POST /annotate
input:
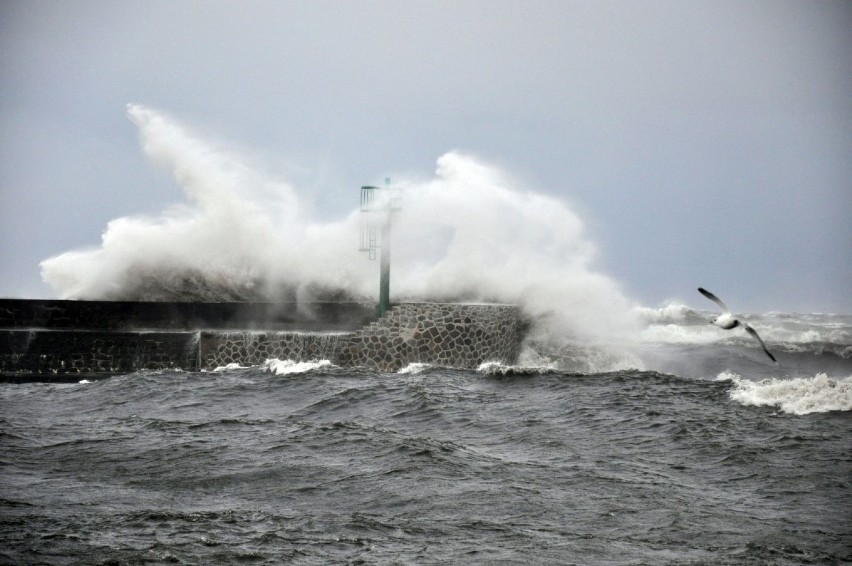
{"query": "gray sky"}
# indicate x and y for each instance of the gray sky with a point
(703, 143)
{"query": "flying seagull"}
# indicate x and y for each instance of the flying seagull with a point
(727, 321)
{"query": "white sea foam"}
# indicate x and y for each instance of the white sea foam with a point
(498, 368)
(232, 365)
(811, 335)
(492, 368)
(288, 367)
(672, 312)
(679, 334)
(470, 233)
(798, 396)
(414, 368)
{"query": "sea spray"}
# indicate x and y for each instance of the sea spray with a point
(498, 242)
(240, 236)
(470, 233)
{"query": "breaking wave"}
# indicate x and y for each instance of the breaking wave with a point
(816, 334)
(470, 233)
(673, 313)
(290, 367)
(797, 396)
(497, 368)
(415, 368)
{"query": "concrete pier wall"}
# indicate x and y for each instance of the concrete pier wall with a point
(54, 353)
(59, 340)
(133, 316)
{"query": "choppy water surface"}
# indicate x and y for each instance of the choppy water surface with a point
(321, 465)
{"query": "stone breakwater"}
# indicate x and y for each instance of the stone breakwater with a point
(456, 335)
(218, 349)
(37, 341)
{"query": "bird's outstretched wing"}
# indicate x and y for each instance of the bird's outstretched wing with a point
(754, 335)
(714, 298)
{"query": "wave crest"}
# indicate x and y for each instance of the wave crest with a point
(797, 396)
(290, 367)
(670, 313)
(497, 368)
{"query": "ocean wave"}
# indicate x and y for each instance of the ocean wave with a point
(680, 334)
(289, 367)
(414, 368)
(797, 396)
(793, 336)
(714, 337)
(815, 336)
(232, 365)
(497, 368)
(671, 313)
(550, 353)
(842, 351)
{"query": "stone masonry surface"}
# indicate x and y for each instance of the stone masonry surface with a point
(219, 349)
(457, 335)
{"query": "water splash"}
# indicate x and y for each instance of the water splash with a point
(415, 368)
(290, 367)
(470, 233)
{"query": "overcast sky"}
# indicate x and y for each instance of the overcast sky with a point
(704, 143)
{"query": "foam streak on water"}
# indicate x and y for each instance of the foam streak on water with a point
(435, 466)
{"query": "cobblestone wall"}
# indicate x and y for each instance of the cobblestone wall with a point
(457, 335)
(219, 349)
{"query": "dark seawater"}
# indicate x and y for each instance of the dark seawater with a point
(325, 465)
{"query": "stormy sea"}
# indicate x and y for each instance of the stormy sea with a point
(711, 454)
(621, 435)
